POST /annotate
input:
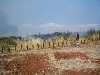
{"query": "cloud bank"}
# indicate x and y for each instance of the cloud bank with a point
(5, 28)
(53, 27)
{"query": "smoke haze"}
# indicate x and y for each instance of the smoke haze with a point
(5, 28)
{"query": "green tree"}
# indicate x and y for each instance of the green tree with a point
(90, 32)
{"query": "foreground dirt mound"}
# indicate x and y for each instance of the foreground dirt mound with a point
(64, 61)
(30, 65)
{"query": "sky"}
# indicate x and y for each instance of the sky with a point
(22, 17)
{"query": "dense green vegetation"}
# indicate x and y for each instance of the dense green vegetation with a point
(7, 40)
(6, 43)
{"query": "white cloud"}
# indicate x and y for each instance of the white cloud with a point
(86, 27)
(92, 25)
(53, 27)
(26, 25)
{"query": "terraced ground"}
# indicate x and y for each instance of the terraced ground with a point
(53, 61)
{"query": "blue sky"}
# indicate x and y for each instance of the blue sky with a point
(18, 17)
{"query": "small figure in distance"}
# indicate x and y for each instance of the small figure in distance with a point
(77, 39)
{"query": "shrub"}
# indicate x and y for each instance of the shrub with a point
(7, 40)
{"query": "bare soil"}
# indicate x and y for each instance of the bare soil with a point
(53, 61)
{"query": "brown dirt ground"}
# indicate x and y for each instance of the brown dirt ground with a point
(39, 63)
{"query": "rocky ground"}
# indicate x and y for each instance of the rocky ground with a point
(84, 60)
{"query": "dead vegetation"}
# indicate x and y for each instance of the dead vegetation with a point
(64, 61)
(58, 56)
